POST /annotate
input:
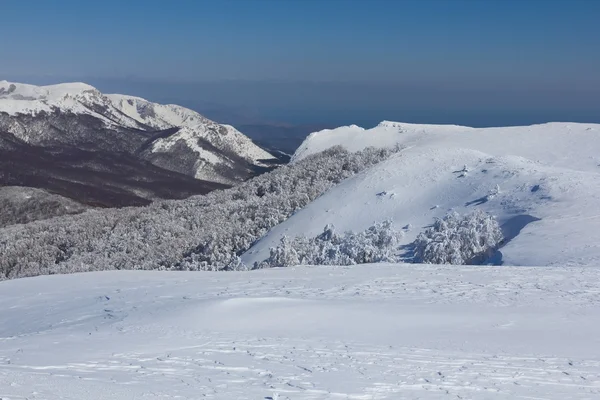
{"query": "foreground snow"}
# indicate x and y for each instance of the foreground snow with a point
(365, 332)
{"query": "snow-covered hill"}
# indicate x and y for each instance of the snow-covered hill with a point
(169, 136)
(569, 145)
(542, 182)
(364, 332)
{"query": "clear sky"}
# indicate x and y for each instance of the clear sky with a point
(443, 54)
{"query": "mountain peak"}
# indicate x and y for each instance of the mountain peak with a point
(23, 91)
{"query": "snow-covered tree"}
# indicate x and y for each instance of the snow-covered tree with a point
(200, 233)
(457, 239)
(379, 243)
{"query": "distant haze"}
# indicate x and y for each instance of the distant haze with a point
(332, 62)
(366, 104)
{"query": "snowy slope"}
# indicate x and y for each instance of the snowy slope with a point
(570, 145)
(366, 332)
(19, 98)
(193, 126)
(76, 97)
(548, 172)
(170, 136)
(354, 138)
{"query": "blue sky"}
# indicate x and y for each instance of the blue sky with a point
(441, 52)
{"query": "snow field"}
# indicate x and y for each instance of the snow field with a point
(363, 332)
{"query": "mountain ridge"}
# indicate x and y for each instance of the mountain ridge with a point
(116, 150)
(62, 114)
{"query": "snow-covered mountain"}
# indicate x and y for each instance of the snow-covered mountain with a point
(542, 182)
(168, 136)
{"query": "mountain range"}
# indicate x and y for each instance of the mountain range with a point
(115, 150)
